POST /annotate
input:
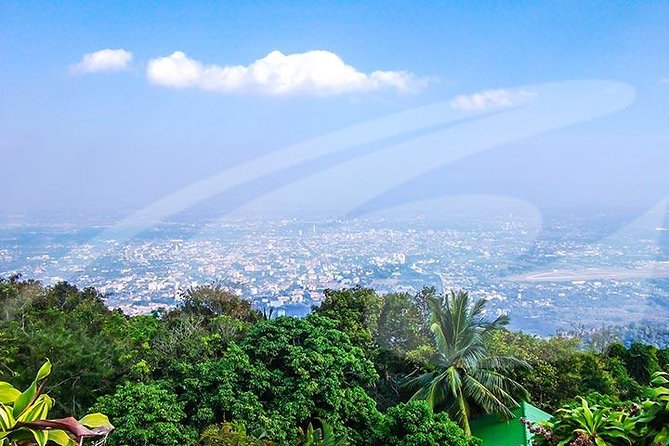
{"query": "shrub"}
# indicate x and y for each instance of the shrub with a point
(415, 424)
(146, 415)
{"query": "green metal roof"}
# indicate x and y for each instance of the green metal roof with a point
(494, 430)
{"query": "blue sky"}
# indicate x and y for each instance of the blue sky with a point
(118, 137)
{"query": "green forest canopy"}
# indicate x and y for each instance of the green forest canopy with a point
(215, 369)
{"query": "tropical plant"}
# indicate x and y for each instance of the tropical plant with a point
(609, 423)
(231, 434)
(654, 417)
(466, 377)
(320, 436)
(214, 300)
(24, 418)
(596, 424)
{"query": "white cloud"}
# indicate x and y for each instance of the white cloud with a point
(665, 81)
(312, 72)
(103, 60)
(492, 99)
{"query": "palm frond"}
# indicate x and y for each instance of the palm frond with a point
(465, 371)
(504, 363)
(485, 397)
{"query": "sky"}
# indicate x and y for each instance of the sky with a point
(119, 107)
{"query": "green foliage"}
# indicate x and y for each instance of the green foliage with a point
(67, 325)
(414, 424)
(321, 436)
(356, 311)
(230, 434)
(216, 369)
(608, 423)
(399, 324)
(185, 338)
(146, 415)
(561, 370)
(24, 417)
(217, 390)
(403, 347)
(640, 360)
(284, 373)
(200, 329)
(213, 300)
(466, 376)
(598, 424)
(654, 418)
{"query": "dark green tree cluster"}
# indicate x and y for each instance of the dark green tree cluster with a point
(561, 369)
(71, 327)
(362, 369)
(213, 370)
(604, 422)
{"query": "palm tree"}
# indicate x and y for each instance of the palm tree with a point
(465, 374)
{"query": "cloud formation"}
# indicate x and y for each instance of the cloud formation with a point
(665, 81)
(103, 60)
(309, 73)
(492, 99)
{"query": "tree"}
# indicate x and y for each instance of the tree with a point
(69, 326)
(356, 311)
(146, 415)
(554, 378)
(213, 300)
(200, 328)
(415, 424)
(466, 377)
(561, 370)
(403, 347)
(285, 373)
(399, 324)
(642, 362)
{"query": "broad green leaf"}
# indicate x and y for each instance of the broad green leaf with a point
(41, 437)
(8, 393)
(60, 437)
(95, 420)
(660, 378)
(44, 371)
(24, 399)
(21, 436)
(36, 411)
(7, 420)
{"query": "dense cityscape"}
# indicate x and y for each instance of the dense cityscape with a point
(547, 281)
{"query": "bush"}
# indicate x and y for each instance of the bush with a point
(414, 424)
(230, 434)
(286, 373)
(146, 415)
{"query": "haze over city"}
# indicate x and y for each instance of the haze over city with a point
(284, 149)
